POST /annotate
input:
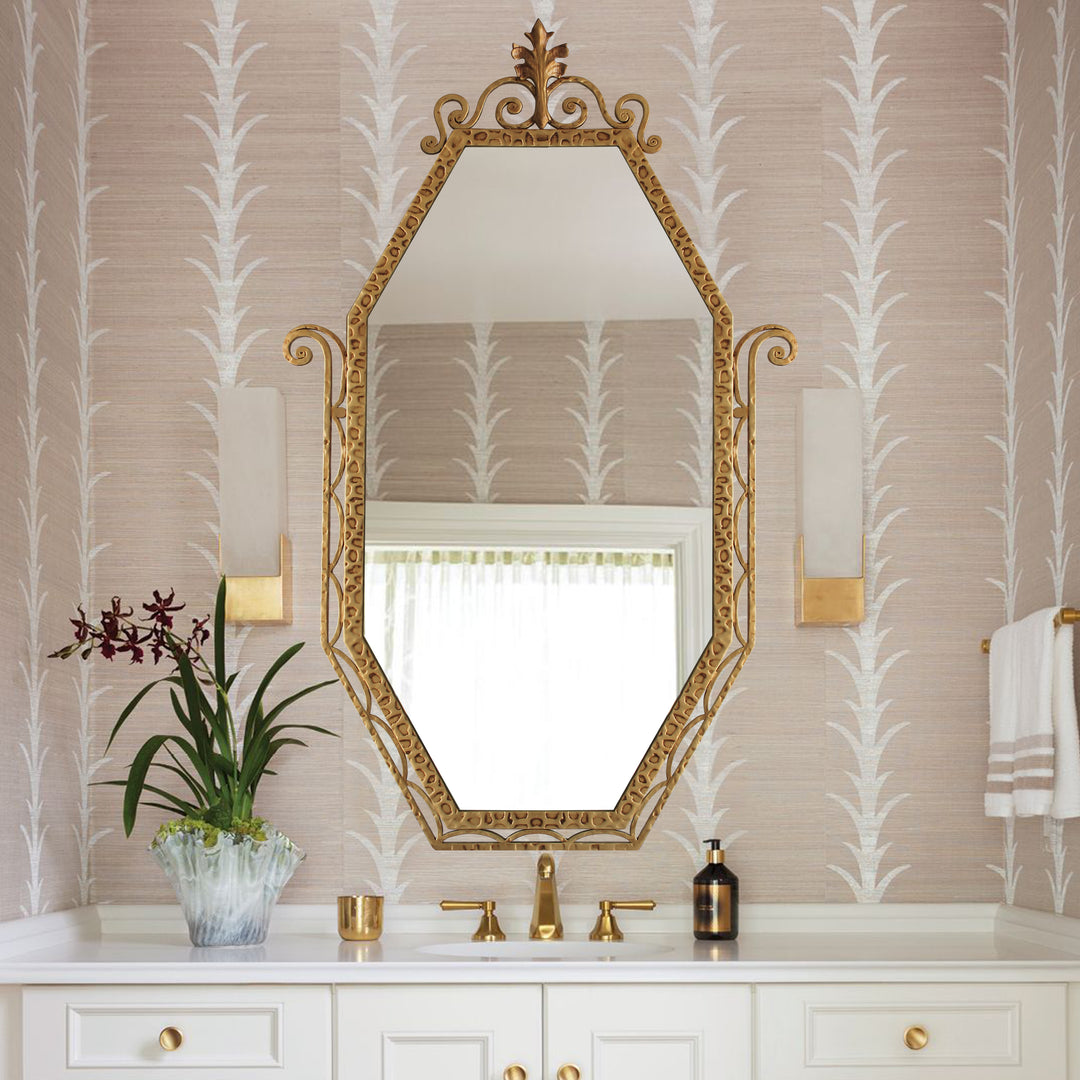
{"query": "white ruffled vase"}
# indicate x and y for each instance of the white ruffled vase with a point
(227, 891)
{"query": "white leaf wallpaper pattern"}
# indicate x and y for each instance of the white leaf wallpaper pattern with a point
(481, 364)
(1008, 370)
(1040, 277)
(271, 148)
(225, 199)
(228, 270)
(866, 235)
(592, 414)
(33, 747)
(87, 761)
(45, 476)
(1058, 406)
(708, 48)
(385, 200)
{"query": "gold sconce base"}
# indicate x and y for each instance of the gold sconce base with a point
(265, 600)
(827, 601)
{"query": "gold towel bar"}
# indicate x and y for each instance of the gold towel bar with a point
(1065, 615)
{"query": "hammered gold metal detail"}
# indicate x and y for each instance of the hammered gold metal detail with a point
(359, 918)
(444, 824)
(540, 74)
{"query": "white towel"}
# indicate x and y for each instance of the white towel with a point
(1066, 801)
(1020, 776)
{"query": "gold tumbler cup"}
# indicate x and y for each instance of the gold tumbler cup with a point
(359, 918)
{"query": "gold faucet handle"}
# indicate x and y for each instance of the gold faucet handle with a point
(489, 928)
(606, 928)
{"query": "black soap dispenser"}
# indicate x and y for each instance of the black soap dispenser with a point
(716, 899)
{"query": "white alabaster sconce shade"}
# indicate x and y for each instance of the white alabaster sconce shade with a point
(252, 486)
(829, 588)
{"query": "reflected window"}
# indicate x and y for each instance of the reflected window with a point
(468, 634)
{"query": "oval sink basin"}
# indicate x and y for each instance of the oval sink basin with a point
(547, 950)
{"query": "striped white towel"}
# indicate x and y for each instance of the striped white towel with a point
(1020, 777)
(1066, 803)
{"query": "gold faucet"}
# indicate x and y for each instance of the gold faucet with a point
(546, 924)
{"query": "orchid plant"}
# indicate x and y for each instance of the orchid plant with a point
(219, 766)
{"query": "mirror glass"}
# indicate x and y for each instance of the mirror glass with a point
(539, 478)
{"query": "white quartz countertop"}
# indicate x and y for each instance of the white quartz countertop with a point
(1010, 945)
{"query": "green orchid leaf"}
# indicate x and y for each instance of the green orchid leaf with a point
(277, 744)
(137, 779)
(275, 731)
(194, 726)
(278, 709)
(256, 701)
(220, 674)
(197, 705)
(178, 770)
(182, 805)
(130, 708)
(158, 806)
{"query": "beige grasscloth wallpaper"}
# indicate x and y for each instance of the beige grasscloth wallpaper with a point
(884, 179)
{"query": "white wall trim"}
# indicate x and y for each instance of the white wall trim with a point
(18, 936)
(148, 919)
(1039, 928)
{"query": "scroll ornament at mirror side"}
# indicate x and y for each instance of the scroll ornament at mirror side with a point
(540, 74)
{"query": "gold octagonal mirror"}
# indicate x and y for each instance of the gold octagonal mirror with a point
(538, 477)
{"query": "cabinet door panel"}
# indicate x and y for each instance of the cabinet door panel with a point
(438, 1032)
(649, 1032)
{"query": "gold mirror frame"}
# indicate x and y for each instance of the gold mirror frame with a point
(539, 74)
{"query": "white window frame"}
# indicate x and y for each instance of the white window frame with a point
(684, 530)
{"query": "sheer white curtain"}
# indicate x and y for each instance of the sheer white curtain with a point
(536, 678)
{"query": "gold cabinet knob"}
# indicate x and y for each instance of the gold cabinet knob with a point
(915, 1038)
(171, 1038)
(515, 1072)
(568, 1072)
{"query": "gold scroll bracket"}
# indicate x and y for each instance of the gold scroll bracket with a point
(266, 601)
(828, 601)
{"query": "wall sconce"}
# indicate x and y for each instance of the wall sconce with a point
(251, 470)
(829, 588)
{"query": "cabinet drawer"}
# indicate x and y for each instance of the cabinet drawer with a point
(254, 1032)
(1005, 1031)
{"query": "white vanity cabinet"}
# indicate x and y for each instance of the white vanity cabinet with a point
(554, 1031)
(970, 994)
(591, 1032)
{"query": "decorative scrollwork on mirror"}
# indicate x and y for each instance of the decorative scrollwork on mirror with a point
(539, 71)
(540, 74)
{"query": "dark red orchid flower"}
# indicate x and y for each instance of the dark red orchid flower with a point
(132, 643)
(119, 631)
(160, 610)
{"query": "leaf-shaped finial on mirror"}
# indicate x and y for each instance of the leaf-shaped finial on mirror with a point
(539, 66)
